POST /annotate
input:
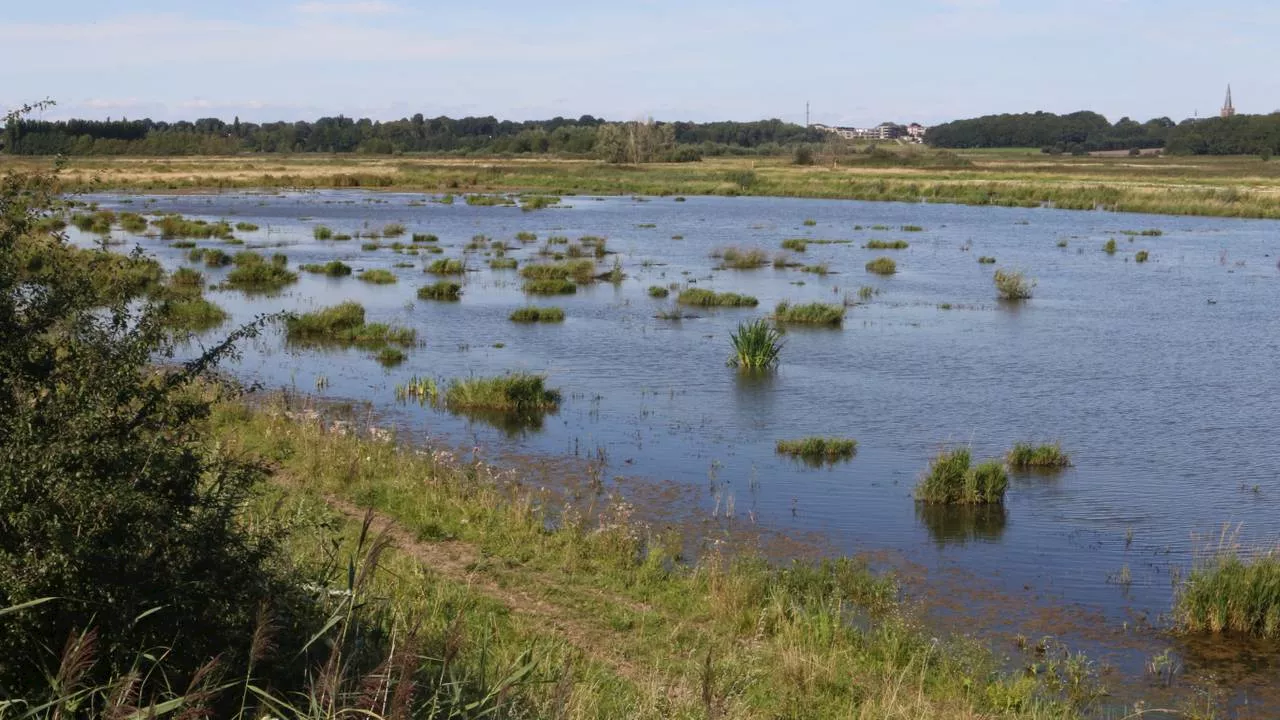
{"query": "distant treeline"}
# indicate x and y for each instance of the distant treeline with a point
(585, 136)
(1088, 131)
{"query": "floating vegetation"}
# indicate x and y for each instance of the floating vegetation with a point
(951, 481)
(1012, 285)
(402, 265)
(882, 266)
(796, 244)
(742, 258)
(1230, 594)
(344, 324)
(333, 268)
(708, 298)
(246, 227)
(390, 356)
(537, 314)
(341, 237)
(1110, 247)
(818, 449)
(815, 313)
(658, 291)
(424, 390)
(370, 246)
(514, 393)
(549, 286)
(756, 346)
(425, 238)
(503, 263)
(441, 290)
(446, 266)
(1141, 256)
(986, 260)
(887, 245)
(323, 232)
(1025, 456)
(393, 230)
(378, 277)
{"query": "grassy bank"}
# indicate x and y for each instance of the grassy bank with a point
(1229, 187)
(614, 620)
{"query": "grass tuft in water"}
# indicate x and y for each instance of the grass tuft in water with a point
(333, 268)
(514, 393)
(246, 227)
(882, 266)
(1013, 285)
(1227, 593)
(254, 274)
(378, 277)
(887, 245)
(425, 238)
(441, 290)
(756, 346)
(322, 232)
(796, 244)
(737, 258)
(709, 298)
(538, 314)
(658, 291)
(446, 266)
(986, 260)
(912, 228)
(1141, 256)
(1110, 247)
(1025, 456)
(392, 230)
(818, 448)
(951, 481)
(344, 324)
(390, 357)
(815, 313)
(549, 286)
(503, 263)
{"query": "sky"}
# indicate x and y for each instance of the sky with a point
(855, 62)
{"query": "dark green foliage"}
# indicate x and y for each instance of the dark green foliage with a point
(538, 314)
(709, 298)
(1141, 256)
(756, 346)
(1079, 131)
(172, 227)
(322, 232)
(390, 356)
(393, 230)
(246, 227)
(912, 228)
(425, 238)
(112, 501)
(440, 290)
(986, 260)
(333, 268)
(1110, 247)
(796, 244)
(515, 393)
(254, 274)
(951, 481)
(344, 324)
(1025, 455)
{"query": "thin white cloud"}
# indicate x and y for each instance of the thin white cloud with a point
(356, 7)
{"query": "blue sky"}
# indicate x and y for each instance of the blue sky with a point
(856, 62)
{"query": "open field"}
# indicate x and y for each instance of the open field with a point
(1217, 186)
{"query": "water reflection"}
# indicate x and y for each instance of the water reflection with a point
(959, 524)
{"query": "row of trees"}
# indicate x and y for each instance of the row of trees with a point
(585, 136)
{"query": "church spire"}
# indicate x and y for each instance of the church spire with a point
(1227, 108)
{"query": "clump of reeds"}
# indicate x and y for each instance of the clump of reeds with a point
(133, 222)
(424, 390)
(819, 269)
(525, 236)
(503, 263)
(1230, 594)
(322, 232)
(1141, 256)
(814, 313)
(549, 286)
(582, 270)
(1110, 247)
(658, 291)
(882, 266)
(756, 346)
(951, 480)
(887, 245)
(529, 203)
(378, 277)
(1062, 243)
(370, 246)
(818, 448)
(1013, 285)
(425, 238)
(393, 230)
(742, 258)
(986, 260)
(212, 257)
(538, 314)
(254, 274)
(246, 227)
(333, 268)
(344, 324)
(1025, 455)
(446, 266)
(514, 393)
(390, 356)
(709, 298)
(796, 244)
(440, 290)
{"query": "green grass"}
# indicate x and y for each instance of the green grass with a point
(549, 286)
(370, 246)
(446, 266)
(951, 481)
(174, 227)
(581, 270)
(1141, 256)
(393, 230)
(333, 268)
(737, 258)
(254, 274)
(887, 245)
(882, 266)
(390, 356)
(378, 276)
(344, 324)
(525, 236)
(658, 291)
(796, 244)
(701, 297)
(133, 223)
(538, 314)
(246, 227)
(514, 393)
(1024, 456)
(503, 263)
(441, 290)
(1062, 243)
(211, 257)
(1012, 285)
(193, 314)
(1110, 247)
(1227, 593)
(818, 448)
(756, 346)
(1143, 233)
(814, 313)
(912, 228)
(819, 269)
(425, 238)
(986, 260)
(810, 222)
(322, 232)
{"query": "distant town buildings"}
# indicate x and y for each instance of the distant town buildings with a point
(884, 131)
(1228, 110)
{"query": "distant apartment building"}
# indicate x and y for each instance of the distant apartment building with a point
(884, 131)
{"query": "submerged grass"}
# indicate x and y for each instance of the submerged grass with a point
(818, 448)
(815, 313)
(441, 290)
(756, 346)
(702, 297)
(1026, 455)
(538, 314)
(951, 481)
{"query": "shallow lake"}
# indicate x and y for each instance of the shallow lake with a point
(1158, 377)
